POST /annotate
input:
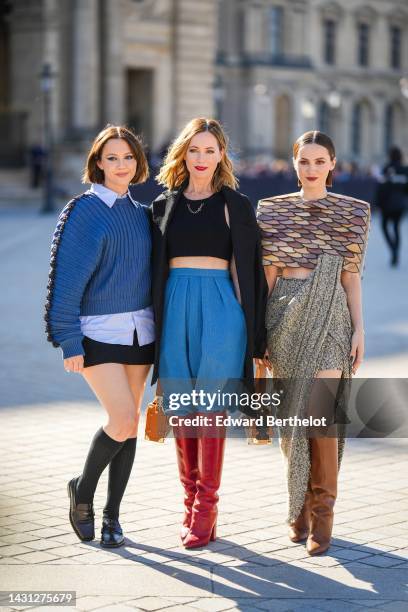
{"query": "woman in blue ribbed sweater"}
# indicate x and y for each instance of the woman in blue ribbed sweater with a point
(99, 312)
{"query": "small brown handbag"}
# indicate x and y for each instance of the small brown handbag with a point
(157, 424)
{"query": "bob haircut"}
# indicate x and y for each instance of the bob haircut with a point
(174, 170)
(319, 138)
(93, 174)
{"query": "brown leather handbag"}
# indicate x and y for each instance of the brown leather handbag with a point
(157, 424)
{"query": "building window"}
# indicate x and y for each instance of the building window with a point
(276, 30)
(356, 129)
(395, 40)
(329, 49)
(239, 29)
(324, 117)
(363, 30)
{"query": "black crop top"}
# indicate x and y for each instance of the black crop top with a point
(204, 233)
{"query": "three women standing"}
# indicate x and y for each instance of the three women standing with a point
(209, 296)
(313, 251)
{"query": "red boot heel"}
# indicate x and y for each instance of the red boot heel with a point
(213, 536)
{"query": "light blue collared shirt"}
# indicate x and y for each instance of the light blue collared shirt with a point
(118, 328)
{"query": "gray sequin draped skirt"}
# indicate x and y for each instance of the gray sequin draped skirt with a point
(308, 330)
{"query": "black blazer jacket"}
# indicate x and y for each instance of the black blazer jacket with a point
(246, 244)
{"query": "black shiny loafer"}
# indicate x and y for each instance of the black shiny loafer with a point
(111, 533)
(81, 516)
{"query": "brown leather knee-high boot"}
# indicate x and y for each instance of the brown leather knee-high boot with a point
(187, 459)
(299, 529)
(323, 482)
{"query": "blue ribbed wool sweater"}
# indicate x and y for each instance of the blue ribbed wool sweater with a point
(100, 264)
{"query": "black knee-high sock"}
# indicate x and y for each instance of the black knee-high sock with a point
(119, 472)
(102, 451)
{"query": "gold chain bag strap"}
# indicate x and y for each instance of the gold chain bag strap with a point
(157, 424)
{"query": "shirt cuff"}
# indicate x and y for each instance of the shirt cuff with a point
(72, 347)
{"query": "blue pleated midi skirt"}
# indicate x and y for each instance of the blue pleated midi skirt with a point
(204, 330)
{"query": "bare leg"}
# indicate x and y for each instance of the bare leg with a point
(110, 383)
(137, 376)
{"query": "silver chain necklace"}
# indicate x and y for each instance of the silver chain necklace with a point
(194, 212)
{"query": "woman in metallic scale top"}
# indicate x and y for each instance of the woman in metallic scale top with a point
(313, 251)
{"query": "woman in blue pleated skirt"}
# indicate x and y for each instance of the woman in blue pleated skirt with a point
(209, 296)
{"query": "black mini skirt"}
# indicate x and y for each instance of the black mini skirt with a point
(102, 352)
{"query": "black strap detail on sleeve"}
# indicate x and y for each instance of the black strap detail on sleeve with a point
(63, 218)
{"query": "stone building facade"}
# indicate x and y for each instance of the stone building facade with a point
(286, 66)
(148, 63)
(270, 69)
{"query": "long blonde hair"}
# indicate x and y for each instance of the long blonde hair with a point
(174, 171)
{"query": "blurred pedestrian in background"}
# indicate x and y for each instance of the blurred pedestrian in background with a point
(392, 200)
(37, 161)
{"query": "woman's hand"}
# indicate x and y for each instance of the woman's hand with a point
(357, 349)
(265, 362)
(74, 364)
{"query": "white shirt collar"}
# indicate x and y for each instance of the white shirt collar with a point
(108, 196)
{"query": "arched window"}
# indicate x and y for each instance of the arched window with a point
(394, 126)
(362, 130)
(356, 129)
(388, 127)
(283, 126)
(324, 117)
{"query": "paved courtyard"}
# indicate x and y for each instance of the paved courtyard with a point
(47, 419)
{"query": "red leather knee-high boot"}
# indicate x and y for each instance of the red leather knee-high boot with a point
(186, 449)
(204, 517)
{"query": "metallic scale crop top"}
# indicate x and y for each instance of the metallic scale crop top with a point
(199, 228)
(295, 232)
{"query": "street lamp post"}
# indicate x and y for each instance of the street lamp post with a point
(46, 81)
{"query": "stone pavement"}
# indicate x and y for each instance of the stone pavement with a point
(47, 419)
